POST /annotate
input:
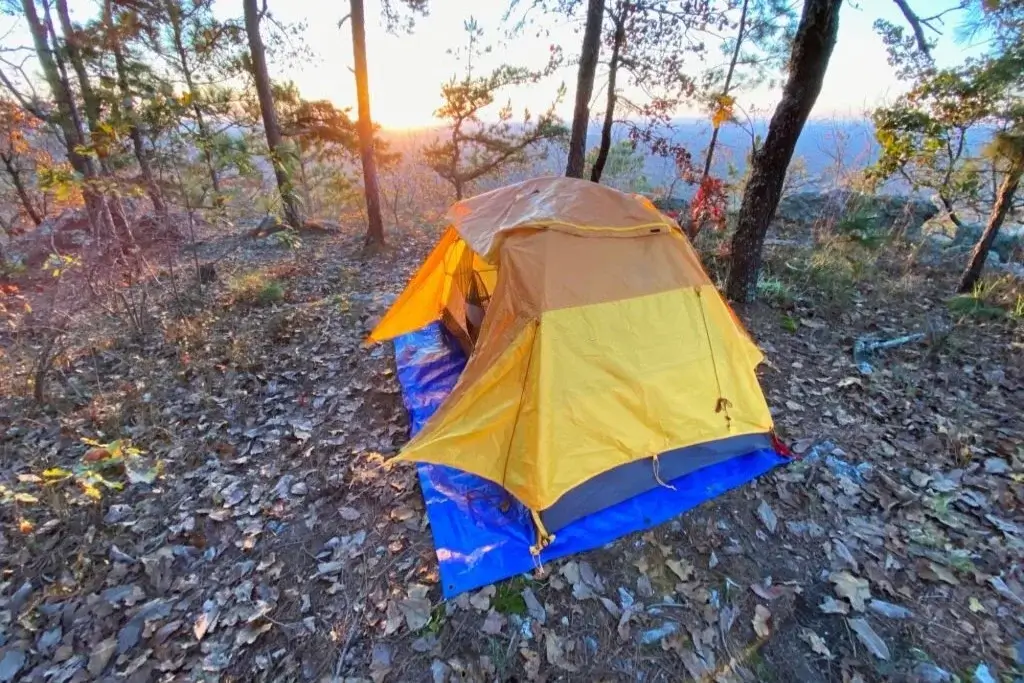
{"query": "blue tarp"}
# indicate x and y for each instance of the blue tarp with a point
(481, 533)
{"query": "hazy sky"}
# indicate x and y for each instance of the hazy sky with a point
(406, 71)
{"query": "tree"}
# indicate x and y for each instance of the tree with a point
(1009, 147)
(923, 137)
(618, 18)
(115, 31)
(812, 49)
(371, 186)
(280, 156)
(585, 88)
(1002, 70)
(16, 153)
(473, 148)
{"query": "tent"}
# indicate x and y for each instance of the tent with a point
(565, 356)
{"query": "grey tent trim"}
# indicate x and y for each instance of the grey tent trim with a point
(633, 478)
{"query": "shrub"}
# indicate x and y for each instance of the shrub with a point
(255, 288)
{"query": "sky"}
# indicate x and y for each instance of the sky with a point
(406, 71)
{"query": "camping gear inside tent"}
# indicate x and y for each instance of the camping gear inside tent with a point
(572, 375)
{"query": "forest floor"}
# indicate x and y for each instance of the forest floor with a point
(259, 534)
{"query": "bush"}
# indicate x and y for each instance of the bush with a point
(255, 288)
(992, 298)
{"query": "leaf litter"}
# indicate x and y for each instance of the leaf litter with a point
(281, 546)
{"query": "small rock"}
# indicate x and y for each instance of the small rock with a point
(299, 489)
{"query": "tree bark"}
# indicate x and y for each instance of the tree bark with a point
(371, 187)
(141, 156)
(19, 186)
(609, 111)
(585, 89)
(275, 141)
(1004, 199)
(812, 49)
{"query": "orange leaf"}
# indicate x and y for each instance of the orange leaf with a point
(96, 454)
(25, 526)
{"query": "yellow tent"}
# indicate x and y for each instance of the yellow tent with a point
(606, 362)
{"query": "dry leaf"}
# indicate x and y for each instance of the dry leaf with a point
(867, 635)
(816, 642)
(494, 623)
(832, 606)
(481, 600)
(532, 663)
(762, 621)
(853, 588)
(554, 649)
(681, 568)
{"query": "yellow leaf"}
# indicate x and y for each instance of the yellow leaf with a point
(56, 473)
(25, 526)
(91, 492)
(976, 606)
(25, 498)
(722, 112)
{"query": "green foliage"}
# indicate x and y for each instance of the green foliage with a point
(508, 598)
(624, 168)
(862, 226)
(992, 298)
(255, 289)
(473, 148)
(774, 291)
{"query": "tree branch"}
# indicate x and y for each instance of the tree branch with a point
(916, 26)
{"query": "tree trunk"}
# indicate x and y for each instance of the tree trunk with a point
(371, 188)
(19, 186)
(609, 112)
(726, 86)
(90, 102)
(584, 89)
(275, 142)
(205, 141)
(1004, 199)
(141, 156)
(812, 49)
(67, 116)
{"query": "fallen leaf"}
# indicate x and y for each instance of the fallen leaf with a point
(101, 655)
(350, 514)
(533, 606)
(681, 568)
(975, 605)
(494, 623)
(936, 572)
(816, 642)
(416, 612)
(832, 606)
(767, 516)
(853, 588)
(554, 650)
(481, 600)
(867, 635)
(762, 621)
(532, 663)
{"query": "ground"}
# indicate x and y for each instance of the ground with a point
(260, 534)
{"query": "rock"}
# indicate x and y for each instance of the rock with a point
(892, 213)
